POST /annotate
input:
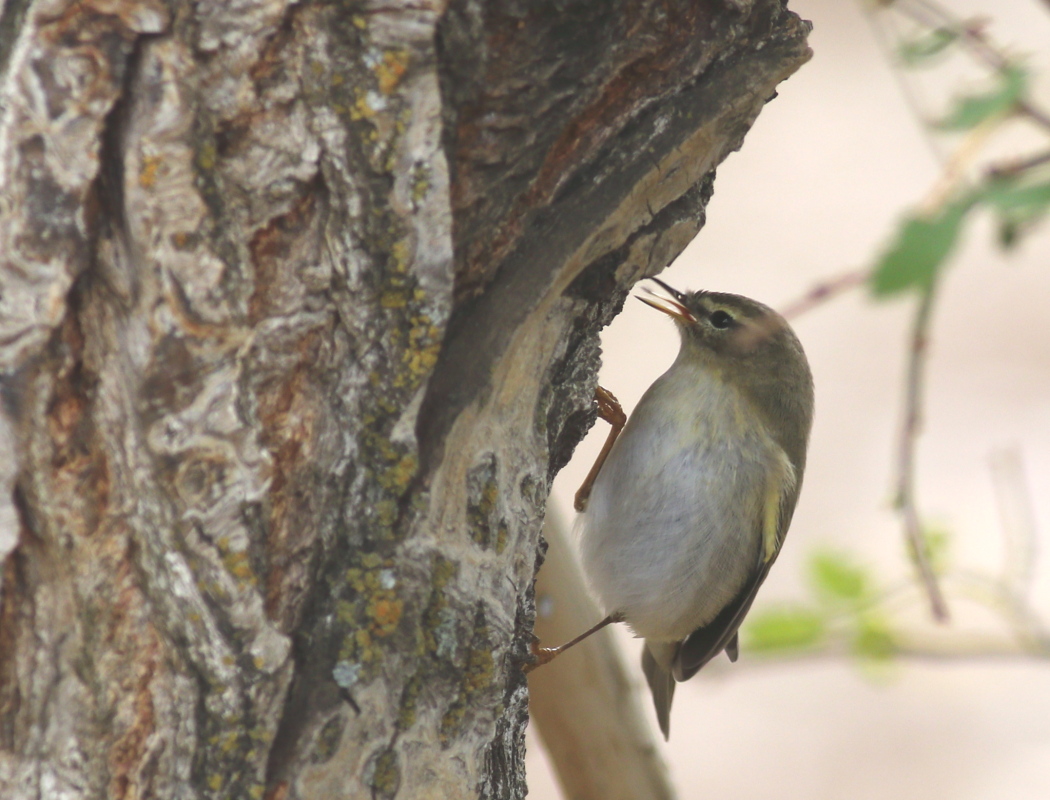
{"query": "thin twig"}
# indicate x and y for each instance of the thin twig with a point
(955, 169)
(1005, 601)
(1017, 517)
(908, 89)
(973, 37)
(1018, 166)
(824, 291)
(906, 501)
(970, 649)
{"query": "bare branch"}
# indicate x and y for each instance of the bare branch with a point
(1018, 519)
(1019, 166)
(972, 34)
(906, 500)
(969, 648)
(954, 172)
(825, 291)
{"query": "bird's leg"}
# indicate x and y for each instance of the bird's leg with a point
(608, 409)
(544, 655)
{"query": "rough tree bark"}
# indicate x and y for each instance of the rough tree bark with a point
(298, 317)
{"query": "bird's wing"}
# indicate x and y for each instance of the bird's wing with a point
(708, 641)
(720, 634)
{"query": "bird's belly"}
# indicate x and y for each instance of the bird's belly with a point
(673, 530)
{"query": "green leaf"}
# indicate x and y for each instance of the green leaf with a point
(916, 51)
(1013, 196)
(1019, 204)
(937, 542)
(1008, 233)
(972, 110)
(784, 629)
(921, 246)
(874, 639)
(835, 576)
(938, 548)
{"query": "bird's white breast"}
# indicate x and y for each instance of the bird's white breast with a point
(674, 523)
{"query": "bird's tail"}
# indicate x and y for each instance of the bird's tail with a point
(656, 664)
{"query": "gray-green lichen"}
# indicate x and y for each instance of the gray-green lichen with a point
(478, 677)
(486, 522)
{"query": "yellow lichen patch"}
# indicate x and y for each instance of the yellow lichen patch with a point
(148, 173)
(451, 720)
(444, 571)
(393, 298)
(391, 69)
(387, 776)
(406, 715)
(236, 562)
(374, 612)
(386, 613)
(477, 678)
(483, 517)
(386, 512)
(361, 108)
(480, 670)
(355, 579)
(419, 362)
(344, 610)
(422, 332)
(401, 474)
(206, 156)
(371, 560)
(489, 495)
(238, 566)
(260, 733)
(399, 256)
(363, 638)
(502, 537)
(229, 742)
(328, 739)
(420, 182)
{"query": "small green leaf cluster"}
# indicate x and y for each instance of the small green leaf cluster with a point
(842, 608)
(969, 111)
(1019, 199)
(923, 48)
(923, 242)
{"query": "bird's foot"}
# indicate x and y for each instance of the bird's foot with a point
(540, 656)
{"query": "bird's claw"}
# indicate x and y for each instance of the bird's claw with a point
(539, 656)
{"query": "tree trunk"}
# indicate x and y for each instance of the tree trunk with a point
(298, 317)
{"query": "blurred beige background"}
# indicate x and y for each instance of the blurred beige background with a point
(816, 190)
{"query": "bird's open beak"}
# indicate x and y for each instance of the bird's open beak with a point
(672, 306)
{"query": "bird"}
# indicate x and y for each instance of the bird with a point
(688, 512)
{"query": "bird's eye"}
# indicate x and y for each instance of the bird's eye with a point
(721, 319)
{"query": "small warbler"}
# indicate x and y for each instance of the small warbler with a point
(691, 506)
